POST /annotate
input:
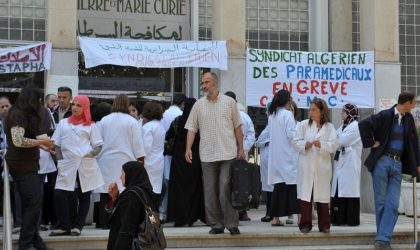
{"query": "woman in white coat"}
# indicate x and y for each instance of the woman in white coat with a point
(263, 142)
(123, 142)
(316, 140)
(282, 157)
(77, 141)
(154, 139)
(345, 188)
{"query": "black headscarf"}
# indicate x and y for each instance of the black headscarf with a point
(136, 175)
(188, 104)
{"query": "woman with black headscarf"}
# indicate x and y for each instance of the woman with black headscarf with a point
(186, 198)
(345, 188)
(128, 211)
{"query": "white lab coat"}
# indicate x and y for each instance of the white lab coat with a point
(347, 169)
(123, 142)
(75, 142)
(168, 116)
(314, 164)
(263, 143)
(282, 157)
(154, 138)
(46, 163)
(248, 132)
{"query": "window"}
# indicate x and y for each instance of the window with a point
(23, 20)
(355, 11)
(204, 24)
(409, 35)
(278, 24)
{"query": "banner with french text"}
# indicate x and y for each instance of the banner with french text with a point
(336, 77)
(153, 54)
(29, 58)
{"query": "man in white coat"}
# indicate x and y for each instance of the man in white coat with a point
(168, 116)
(249, 139)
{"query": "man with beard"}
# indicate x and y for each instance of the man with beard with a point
(217, 118)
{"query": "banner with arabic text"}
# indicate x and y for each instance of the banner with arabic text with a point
(336, 77)
(30, 58)
(153, 54)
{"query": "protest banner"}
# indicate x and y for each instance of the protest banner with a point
(153, 54)
(30, 58)
(336, 77)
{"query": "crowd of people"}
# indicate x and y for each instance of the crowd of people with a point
(65, 154)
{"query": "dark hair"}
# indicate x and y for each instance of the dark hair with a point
(152, 111)
(231, 94)
(102, 109)
(323, 108)
(65, 89)
(137, 105)
(179, 99)
(280, 99)
(29, 103)
(120, 104)
(406, 97)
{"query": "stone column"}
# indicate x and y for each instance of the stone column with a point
(379, 32)
(340, 38)
(62, 20)
(228, 23)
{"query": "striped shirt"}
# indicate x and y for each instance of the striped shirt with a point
(216, 121)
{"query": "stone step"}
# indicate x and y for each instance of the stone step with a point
(326, 247)
(314, 240)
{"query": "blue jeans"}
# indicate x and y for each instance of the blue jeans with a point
(386, 178)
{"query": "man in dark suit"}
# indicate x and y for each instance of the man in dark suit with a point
(391, 135)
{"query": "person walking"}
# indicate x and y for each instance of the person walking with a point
(217, 117)
(316, 140)
(22, 126)
(391, 135)
(345, 185)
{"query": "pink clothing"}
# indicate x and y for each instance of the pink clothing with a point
(85, 118)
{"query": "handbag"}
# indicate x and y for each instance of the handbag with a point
(150, 233)
(169, 145)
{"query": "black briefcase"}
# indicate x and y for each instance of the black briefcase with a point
(246, 185)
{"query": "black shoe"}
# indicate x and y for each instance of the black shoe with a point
(234, 231)
(266, 218)
(179, 225)
(217, 231)
(324, 230)
(60, 232)
(244, 217)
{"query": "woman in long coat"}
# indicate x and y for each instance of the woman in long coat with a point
(127, 211)
(282, 157)
(345, 187)
(316, 140)
(186, 198)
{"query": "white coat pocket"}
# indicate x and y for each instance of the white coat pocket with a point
(90, 175)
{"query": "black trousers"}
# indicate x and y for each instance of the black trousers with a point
(63, 200)
(31, 194)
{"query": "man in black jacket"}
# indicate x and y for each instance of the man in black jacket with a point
(63, 110)
(391, 135)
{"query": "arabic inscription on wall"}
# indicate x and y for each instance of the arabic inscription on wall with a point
(134, 19)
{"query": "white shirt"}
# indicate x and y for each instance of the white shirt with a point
(123, 142)
(248, 132)
(154, 138)
(264, 145)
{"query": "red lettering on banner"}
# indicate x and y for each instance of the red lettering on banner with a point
(302, 90)
(275, 87)
(314, 85)
(335, 87)
(343, 88)
(263, 101)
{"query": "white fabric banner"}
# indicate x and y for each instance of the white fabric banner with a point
(30, 58)
(152, 54)
(336, 77)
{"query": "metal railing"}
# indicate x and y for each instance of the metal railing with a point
(7, 210)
